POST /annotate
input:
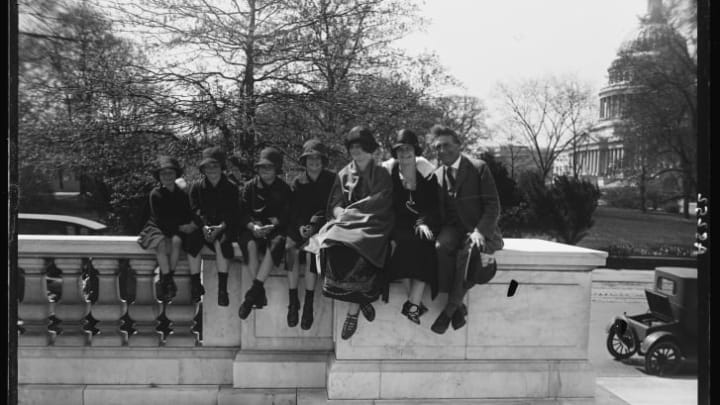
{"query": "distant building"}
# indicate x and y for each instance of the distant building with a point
(602, 157)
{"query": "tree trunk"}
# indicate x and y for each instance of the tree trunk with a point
(643, 191)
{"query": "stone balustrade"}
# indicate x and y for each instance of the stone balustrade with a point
(92, 332)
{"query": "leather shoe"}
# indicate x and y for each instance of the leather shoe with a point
(458, 318)
(307, 316)
(223, 299)
(441, 323)
(196, 291)
(293, 314)
(368, 311)
(349, 327)
(245, 309)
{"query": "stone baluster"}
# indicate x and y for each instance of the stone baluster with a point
(68, 308)
(144, 310)
(182, 311)
(109, 308)
(33, 307)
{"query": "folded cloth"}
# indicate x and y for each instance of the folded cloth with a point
(150, 236)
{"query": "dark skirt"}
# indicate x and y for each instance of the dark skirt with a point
(194, 242)
(348, 276)
(275, 241)
(414, 258)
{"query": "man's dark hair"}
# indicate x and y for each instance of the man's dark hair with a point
(442, 130)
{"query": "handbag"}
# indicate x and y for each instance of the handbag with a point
(150, 235)
(474, 271)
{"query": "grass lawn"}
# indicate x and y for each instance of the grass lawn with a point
(618, 226)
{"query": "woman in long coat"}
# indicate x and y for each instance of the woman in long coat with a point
(354, 244)
(416, 205)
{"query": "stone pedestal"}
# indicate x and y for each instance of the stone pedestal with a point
(530, 345)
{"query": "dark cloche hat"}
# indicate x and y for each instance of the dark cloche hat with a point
(406, 137)
(167, 162)
(362, 135)
(271, 156)
(213, 154)
(314, 147)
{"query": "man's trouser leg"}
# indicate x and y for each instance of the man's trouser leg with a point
(449, 242)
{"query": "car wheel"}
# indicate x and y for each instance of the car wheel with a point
(621, 342)
(663, 358)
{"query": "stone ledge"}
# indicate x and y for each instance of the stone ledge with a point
(280, 370)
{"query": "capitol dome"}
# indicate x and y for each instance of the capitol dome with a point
(653, 32)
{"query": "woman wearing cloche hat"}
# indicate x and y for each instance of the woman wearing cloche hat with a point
(354, 244)
(311, 190)
(266, 211)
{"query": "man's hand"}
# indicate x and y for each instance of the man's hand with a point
(274, 221)
(477, 239)
(306, 231)
(337, 211)
(423, 230)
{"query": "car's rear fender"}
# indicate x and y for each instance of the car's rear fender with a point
(655, 337)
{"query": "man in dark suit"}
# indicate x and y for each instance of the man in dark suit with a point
(469, 211)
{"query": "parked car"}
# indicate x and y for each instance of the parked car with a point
(667, 334)
(48, 224)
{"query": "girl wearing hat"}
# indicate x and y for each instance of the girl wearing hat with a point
(266, 210)
(416, 206)
(311, 190)
(215, 201)
(354, 244)
(171, 213)
(239, 171)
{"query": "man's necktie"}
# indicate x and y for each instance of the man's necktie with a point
(450, 178)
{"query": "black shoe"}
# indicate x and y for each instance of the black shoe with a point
(441, 323)
(223, 299)
(349, 327)
(254, 298)
(244, 310)
(368, 311)
(307, 316)
(170, 287)
(196, 291)
(293, 314)
(413, 313)
(161, 290)
(458, 318)
(407, 304)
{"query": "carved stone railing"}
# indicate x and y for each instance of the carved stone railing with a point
(80, 312)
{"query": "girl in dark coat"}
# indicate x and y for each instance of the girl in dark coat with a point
(266, 211)
(354, 244)
(214, 201)
(415, 202)
(171, 213)
(311, 190)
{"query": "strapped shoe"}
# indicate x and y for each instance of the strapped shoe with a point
(413, 313)
(441, 323)
(407, 304)
(349, 327)
(368, 311)
(458, 318)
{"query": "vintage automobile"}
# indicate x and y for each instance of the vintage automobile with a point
(667, 334)
(49, 224)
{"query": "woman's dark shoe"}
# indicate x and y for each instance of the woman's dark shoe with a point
(458, 318)
(349, 327)
(254, 298)
(293, 314)
(307, 315)
(223, 299)
(413, 313)
(441, 323)
(170, 287)
(406, 306)
(368, 311)
(196, 290)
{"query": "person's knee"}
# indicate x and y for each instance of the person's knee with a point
(176, 242)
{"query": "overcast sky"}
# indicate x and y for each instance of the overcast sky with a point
(483, 41)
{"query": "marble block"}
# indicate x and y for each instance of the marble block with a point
(487, 379)
(282, 369)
